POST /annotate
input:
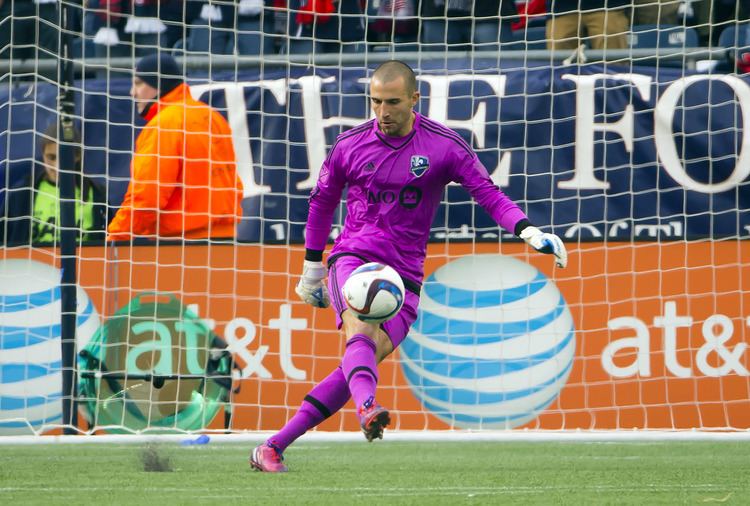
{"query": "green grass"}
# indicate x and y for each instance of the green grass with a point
(383, 473)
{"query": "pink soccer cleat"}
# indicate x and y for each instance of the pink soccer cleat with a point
(373, 419)
(268, 459)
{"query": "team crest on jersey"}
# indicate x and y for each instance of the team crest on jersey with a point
(419, 165)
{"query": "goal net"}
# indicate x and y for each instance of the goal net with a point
(632, 147)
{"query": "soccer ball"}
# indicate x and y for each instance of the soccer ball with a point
(374, 292)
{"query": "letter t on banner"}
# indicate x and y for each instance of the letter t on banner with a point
(285, 323)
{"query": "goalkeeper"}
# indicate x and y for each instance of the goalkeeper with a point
(402, 154)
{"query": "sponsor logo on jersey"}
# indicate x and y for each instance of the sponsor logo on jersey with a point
(419, 165)
(409, 197)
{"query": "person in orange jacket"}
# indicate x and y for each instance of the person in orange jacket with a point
(184, 181)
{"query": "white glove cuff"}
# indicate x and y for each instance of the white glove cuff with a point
(313, 271)
(532, 236)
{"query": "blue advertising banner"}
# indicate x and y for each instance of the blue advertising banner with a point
(591, 152)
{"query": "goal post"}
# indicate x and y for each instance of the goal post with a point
(636, 157)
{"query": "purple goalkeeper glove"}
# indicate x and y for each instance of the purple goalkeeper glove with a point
(546, 243)
(311, 288)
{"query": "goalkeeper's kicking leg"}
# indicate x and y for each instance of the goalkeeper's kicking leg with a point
(327, 398)
(367, 345)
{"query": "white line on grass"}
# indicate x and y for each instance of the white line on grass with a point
(695, 487)
(407, 436)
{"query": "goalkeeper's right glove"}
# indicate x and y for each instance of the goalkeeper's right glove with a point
(311, 287)
(545, 243)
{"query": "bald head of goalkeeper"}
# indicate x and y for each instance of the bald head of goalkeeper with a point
(393, 96)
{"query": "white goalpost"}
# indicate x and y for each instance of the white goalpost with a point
(635, 155)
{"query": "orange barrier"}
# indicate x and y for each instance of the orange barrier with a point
(661, 330)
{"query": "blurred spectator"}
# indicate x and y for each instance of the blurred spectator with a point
(603, 23)
(34, 207)
(529, 12)
(737, 42)
(184, 181)
(28, 29)
(742, 59)
(325, 26)
(246, 26)
(711, 17)
(134, 27)
(211, 31)
(461, 23)
(394, 21)
(144, 25)
(255, 27)
(177, 16)
(104, 22)
(656, 12)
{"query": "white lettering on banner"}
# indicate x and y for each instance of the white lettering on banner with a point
(465, 232)
(238, 347)
(285, 324)
(642, 363)
(575, 230)
(477, 124)
(670, 322)
(665, 142)
(666, 229)
(715, 344)
(312, 114)
(584, 177)
(191, 330)
(501, 175)
(279, 231)
(619, 227)
(670, 229)
(210, 323)
(162, 345)
(716, 330)
(237, 119)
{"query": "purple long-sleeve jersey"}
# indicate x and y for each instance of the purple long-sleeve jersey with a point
(395, 186)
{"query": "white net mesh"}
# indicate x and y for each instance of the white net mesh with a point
(624, 134)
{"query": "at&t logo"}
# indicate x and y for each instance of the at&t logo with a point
(493, 343)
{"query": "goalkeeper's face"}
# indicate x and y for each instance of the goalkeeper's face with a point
(393, 103)
(143, 94)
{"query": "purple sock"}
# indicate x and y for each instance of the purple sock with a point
(325, 399)
(361, 368)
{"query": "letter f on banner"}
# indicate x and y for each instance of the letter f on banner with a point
(584, 177)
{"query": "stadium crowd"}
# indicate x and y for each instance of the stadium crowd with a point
(262, 27)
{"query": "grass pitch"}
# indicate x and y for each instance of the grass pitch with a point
(380, 473)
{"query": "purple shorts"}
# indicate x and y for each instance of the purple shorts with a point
(397, 327)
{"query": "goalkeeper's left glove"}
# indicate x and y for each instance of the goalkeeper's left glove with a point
(311, 287)
(545, 243)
